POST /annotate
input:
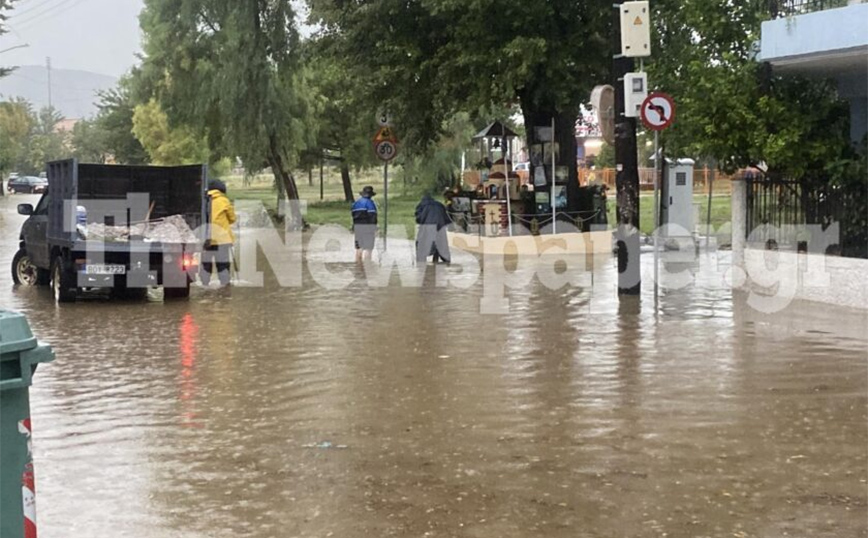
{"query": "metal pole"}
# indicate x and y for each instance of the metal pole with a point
(656, 207)
(554, 176)
(386, 206)
(505, 146)
(708, 218)
(48, 67)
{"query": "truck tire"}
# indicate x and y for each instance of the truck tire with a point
(170, 293)
(63, 281)
(24, 273)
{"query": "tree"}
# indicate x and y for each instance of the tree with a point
(730, 106)
(45, 143)
(165, 145)
(345, 121)
(430, 59)
(15, 126)
(231, 71)
(4, 7)
(114, 122)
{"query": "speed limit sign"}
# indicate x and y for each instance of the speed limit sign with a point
(386, 150)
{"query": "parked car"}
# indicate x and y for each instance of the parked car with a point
(27, 184)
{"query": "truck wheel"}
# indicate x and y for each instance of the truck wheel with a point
(25, 273)
(177, 293)
(63, 282)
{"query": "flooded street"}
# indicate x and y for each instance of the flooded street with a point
(305, 412)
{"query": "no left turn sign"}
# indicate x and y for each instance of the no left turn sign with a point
(658, 111)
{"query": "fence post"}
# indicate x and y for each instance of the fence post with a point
(739, 219)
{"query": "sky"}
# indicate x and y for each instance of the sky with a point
(101, 36)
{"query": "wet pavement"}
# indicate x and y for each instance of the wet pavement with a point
(405, 412)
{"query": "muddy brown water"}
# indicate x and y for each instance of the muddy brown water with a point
(404, 412)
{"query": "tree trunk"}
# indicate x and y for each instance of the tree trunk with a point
(565, 138)
(310, 177)
(287, 182)
(348, 185)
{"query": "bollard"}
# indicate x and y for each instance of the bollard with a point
(20, 353)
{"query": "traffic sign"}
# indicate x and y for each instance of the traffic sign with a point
(658, 111)
(386, 150)
(385, 134)
(384, 119)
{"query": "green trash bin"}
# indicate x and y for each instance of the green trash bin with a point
(19, 355)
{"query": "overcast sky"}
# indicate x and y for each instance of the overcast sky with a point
(93, 35)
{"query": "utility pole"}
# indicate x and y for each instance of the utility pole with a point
(627, 173)
(48, 67)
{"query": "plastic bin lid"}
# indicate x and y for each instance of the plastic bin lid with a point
(15, 334)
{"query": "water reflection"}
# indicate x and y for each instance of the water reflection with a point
(575, 414)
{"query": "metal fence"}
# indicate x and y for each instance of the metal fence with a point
(789, 8)
(779, 211)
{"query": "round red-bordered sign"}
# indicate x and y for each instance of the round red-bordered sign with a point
(658, 111)
(386, 150)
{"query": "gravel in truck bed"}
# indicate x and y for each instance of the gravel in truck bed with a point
(173, 229)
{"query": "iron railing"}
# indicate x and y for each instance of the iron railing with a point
(780, 214)
(790, 8)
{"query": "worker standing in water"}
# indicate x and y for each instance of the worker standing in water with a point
(218, 248)
(364, 214)
(431, 238)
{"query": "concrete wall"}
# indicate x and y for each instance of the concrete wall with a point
(574, 243)
(823, 32)
(811, 277)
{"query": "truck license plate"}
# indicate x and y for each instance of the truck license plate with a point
(105, 269)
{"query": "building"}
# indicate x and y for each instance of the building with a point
(824, 39)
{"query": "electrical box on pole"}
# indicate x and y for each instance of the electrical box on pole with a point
(635, 30)
(635, 93)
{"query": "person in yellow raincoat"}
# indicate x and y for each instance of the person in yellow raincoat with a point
(218, 248)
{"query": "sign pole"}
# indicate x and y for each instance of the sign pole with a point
(657, 168)
(386, 206)
(554, 187)
(506, 169)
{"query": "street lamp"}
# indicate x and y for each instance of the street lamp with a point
(23, 46)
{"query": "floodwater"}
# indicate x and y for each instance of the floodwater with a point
(284, 412)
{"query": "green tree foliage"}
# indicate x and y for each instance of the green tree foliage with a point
(730, 107)
(88, 142)
(4, 7)
(430, 59)
(28, 139)
(45, 143)
(114, 124)
(16, 123)
(231, 70)
(166, 145)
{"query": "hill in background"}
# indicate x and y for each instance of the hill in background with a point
(73, 93)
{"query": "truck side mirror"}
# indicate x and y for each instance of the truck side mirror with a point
(25, 209)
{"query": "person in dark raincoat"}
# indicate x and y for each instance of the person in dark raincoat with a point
(431, 239)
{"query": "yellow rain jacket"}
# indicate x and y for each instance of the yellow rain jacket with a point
(222, 218)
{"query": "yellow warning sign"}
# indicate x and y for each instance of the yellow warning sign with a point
(638, 21)
(385, 134)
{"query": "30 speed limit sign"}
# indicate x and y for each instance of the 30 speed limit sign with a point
(386, 150)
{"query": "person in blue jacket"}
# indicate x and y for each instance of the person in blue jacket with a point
(365, 224)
